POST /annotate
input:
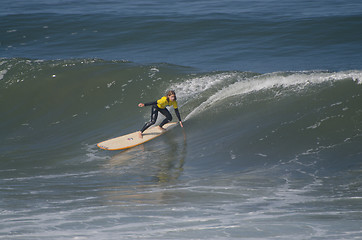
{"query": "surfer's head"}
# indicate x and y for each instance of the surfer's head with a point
(171, 95)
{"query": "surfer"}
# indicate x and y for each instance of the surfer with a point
(160, 106)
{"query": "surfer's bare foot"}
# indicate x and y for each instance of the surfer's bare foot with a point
(161, 128)
(140, 135)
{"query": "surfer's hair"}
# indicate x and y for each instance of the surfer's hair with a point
(171, 92)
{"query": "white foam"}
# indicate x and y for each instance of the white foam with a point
(197, 85)
(300, 80)
(2, 73)
(92, 151)
(153, 72)
(111, 84)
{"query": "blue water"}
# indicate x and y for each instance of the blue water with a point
(270, 93)
(259, 36)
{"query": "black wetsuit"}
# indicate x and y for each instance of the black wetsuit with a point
(154, 114)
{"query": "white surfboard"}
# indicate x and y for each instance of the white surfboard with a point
(132, 139)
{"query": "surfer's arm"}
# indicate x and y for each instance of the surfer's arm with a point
(178, 116)
(147, 104)
(151, 103)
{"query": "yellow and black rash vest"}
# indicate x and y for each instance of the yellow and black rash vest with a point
(162, 103)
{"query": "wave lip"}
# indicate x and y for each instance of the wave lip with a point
(242, 85)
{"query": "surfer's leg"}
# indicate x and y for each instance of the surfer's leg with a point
(168, 116)
(154, 114)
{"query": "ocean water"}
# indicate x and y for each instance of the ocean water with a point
(270, 93)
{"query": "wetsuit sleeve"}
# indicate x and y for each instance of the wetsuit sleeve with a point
(178, 114)
(151, 103)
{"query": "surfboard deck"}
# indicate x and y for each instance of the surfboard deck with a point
(132, 139)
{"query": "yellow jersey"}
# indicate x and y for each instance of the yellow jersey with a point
(163, 103)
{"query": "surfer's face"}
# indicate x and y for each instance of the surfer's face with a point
(171, 97)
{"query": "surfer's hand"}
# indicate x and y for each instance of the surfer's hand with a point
(141, 105)
(181, 124)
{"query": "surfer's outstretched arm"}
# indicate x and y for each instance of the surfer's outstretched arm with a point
(147, 104)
